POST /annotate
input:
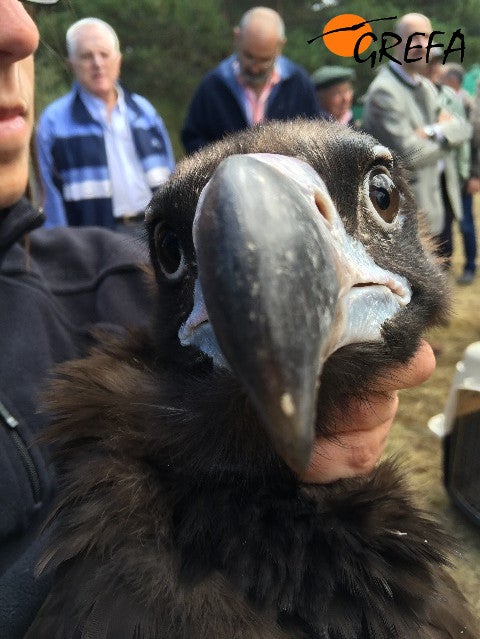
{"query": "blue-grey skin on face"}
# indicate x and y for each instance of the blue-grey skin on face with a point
(281, 286)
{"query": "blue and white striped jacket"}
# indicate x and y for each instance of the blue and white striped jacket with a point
(73, 159)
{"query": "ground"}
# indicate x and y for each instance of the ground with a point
(412, 440)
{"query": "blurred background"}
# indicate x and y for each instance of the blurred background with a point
(168, 45)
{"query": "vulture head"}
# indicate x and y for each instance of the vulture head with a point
(289, 261)
(290, 271)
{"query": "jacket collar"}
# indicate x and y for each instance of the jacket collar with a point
(404, 77)
(16, 221)
(80, 112)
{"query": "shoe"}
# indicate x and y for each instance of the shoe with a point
(466, 278)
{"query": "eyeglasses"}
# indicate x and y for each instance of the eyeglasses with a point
(40, 1)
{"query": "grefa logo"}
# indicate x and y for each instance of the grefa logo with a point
(349, 35)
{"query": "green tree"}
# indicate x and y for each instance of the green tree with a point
(168, 45)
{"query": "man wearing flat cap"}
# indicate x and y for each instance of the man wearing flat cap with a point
(334, 90)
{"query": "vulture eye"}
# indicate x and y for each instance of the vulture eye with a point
(169, 252)
(383, 194)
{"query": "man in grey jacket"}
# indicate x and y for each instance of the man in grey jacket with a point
(402, 111)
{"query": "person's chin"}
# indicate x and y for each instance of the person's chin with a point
(14, 133)
(255, 80)
(13, 179)
(101, 89)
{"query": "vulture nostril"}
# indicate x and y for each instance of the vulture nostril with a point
(322, 206)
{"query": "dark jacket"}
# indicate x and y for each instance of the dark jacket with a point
(52, 293)
(217, 105)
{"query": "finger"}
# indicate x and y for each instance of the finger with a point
(351, 452)
(416, 371)
(349, 455)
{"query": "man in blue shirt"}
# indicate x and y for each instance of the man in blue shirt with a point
(102, 150)
(253, 84)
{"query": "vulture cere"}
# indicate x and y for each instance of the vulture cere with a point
(290, 272)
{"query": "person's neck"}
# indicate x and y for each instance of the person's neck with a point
(411, 71)
(110, 101)
(408, 75)
(258, 88)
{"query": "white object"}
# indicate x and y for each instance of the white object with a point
(466, 382)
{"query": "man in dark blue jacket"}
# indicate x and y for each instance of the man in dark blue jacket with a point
(256, 83)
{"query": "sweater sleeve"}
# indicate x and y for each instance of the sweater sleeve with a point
(21, 592)
(385, 120)
(97, 276)
(162, 131)
(53, 203)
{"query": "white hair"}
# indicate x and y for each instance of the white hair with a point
(73, 33)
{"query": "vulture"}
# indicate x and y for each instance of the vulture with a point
(290, 271)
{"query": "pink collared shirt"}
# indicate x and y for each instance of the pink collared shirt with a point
(255, 104)
(346, 117)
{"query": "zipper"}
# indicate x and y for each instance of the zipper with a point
(27, 460)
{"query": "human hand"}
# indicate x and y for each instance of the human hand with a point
(356, 452)
(421, 133)
(473, 186)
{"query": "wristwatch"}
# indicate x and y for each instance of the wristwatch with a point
(430, 131)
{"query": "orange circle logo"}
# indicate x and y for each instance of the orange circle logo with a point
(341, 33)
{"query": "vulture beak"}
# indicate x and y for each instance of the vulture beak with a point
(274, 263)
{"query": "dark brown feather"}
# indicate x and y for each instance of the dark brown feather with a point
(175, 516)
(188, 556)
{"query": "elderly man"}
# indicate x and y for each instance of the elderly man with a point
(102, 150)
(254, 84)
(334, 89)
(403, 111)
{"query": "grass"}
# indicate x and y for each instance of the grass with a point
(412, 440)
